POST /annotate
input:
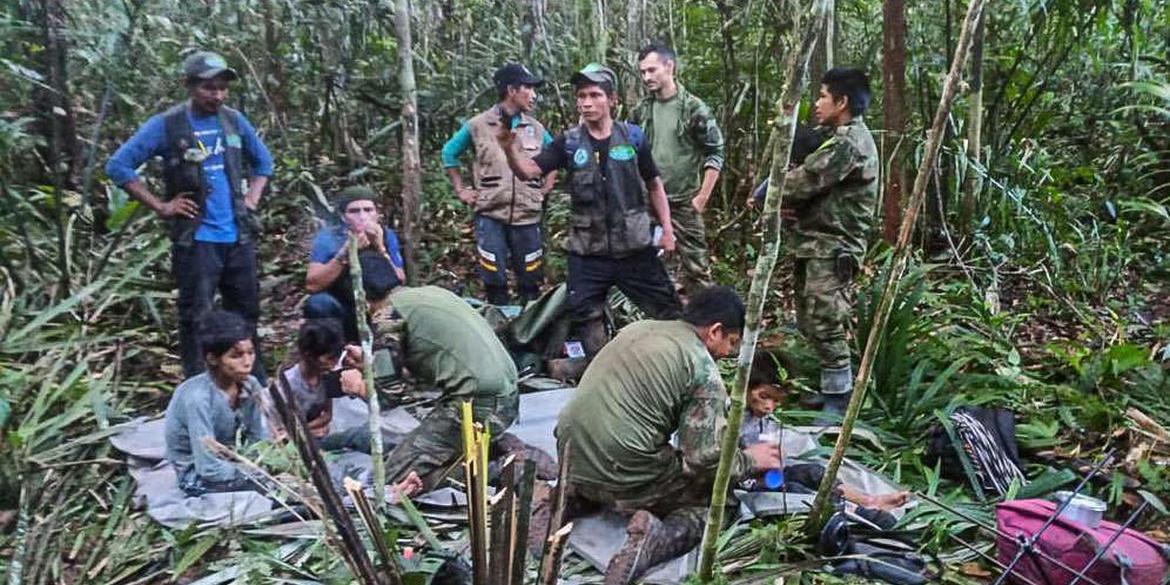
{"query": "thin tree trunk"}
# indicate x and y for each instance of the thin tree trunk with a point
(63, 150)
(633, 42)
(820, 508)
(275, 80)
(411, 166)
(374, 422)
(784, 130)
(728, 33)
(972, 179)
(894, 111)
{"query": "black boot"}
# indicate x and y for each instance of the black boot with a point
(650, 542)
(836, 389)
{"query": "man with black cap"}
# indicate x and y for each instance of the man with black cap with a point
(616, 197)
(208, 150)
(507, 209)
(328, 281)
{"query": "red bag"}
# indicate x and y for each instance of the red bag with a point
(1132, 559)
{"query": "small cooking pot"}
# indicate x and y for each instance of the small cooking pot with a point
(1081, 508)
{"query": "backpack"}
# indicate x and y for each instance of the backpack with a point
(977, 445)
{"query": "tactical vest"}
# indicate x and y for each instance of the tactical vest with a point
(182, 173)
(609, 215)
(502, 196)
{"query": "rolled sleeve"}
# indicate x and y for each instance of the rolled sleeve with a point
(326, 245)
(254, 149)
(148, 141)
(456, 146)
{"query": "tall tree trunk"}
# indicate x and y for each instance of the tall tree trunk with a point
(411, 166)
(727, 120)
(894, 112)
(62, 151)
(784, 131)
(820, 507)
(275, 80)
(973, 179)
(635, 36)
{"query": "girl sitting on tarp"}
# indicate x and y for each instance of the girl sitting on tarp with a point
(222, 403)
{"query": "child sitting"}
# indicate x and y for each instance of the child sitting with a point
(315, 380)
(222, 403)
(763, 397)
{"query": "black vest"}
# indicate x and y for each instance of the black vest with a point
(609, 214)
(183, 173)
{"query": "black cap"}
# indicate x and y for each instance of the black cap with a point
(595, 73)
(515, 74)
(207, 65)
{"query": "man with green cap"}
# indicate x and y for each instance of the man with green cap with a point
(328, 278)
(688, 149)
(616, 197)
(208, 151)
(507, 209)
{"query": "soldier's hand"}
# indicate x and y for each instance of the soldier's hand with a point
(353, 383)
(180, 206)
(468, 195)
(764, 455)
(353, 356)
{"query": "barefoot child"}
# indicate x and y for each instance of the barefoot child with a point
(758, 426)
(222, 403)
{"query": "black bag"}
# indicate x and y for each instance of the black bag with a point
(977, 445)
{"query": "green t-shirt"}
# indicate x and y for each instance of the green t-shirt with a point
(653, 379)
(678, 160)
(447, 344)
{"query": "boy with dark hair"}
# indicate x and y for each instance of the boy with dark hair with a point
(801, 478)
(654, 379)
(508, 209)
(832, 194)
(317, 377)
(614, 186)
(222, 403)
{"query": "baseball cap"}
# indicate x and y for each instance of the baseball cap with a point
(595, 73)
(515, 74)
(207, 65)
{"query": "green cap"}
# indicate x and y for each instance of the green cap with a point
(595, 73)
(353, 193)
(207, 65)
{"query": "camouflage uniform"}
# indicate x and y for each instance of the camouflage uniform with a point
(833, 194)
(446, 345)
(685, 143)
(654, 379)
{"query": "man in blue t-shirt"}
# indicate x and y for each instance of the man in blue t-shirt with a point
(328, 281)
(209, 151)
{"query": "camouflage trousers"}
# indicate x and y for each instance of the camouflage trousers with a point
(682, 498)
(690, 266)
(432, 449)
(824, 305)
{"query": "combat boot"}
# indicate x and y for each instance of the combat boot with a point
(836, 390)
(650, 542)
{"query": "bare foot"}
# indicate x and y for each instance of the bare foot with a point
(887, 502)
(408, 487)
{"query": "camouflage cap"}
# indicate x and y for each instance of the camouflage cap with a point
(207, 65)
(595, 73)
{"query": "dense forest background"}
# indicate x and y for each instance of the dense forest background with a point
(1042, 280)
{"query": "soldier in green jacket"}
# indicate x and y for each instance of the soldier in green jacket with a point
(447, 346)
(688, 148)
(655, 379)
(832, 195)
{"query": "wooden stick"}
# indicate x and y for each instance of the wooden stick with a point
(520, 516)
(502, 524)
(783, 133)
(370, 519)
(556, 515)
(475, 464)
(819, 513)
(551, 566)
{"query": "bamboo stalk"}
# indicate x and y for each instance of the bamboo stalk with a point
(370, 519)
(782, 136)
(550, 559)
(502, 525)
(475, 467)
(819, 513)
(361, 310)
(521, 514)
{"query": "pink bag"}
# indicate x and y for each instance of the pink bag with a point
(1132, 559)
